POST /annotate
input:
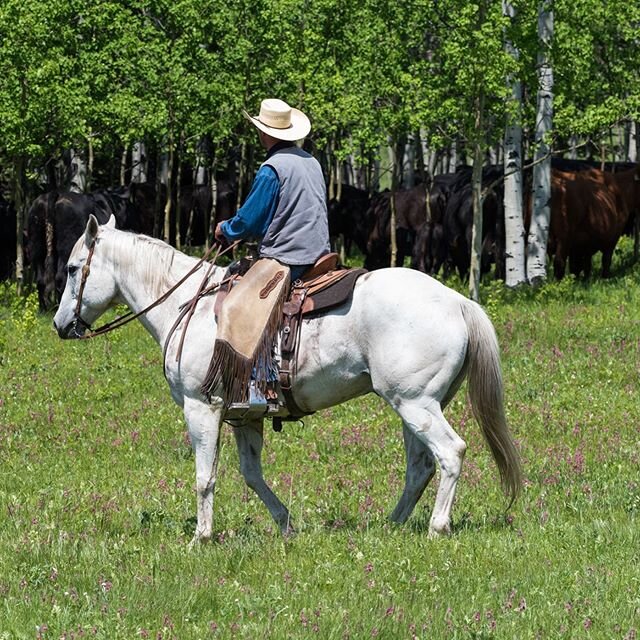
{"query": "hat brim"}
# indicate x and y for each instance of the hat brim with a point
(298, 129)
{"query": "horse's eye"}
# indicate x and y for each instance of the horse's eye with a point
(71, 269)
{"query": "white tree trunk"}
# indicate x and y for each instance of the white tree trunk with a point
(515, 271)
(475, 272)
(200, 175)
(166, 168)
(123, 166)
(77, 172)
(453, 157)
(90, 161)
(573, 147)
(409, 164)
(138, 163)
(633, 142)
(213, 214)
(17, 192)
(475, 269)
(202, 162)
(541, 210)
(396, 150)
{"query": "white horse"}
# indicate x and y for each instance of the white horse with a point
(403, 335)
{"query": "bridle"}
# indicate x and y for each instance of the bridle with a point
(120, 321)
(86, 270)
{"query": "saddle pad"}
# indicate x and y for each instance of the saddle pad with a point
(332, 295)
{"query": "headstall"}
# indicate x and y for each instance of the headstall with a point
(129, 316)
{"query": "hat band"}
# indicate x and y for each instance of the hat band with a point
(275, 121)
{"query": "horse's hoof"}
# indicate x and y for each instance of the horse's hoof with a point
(439, 530)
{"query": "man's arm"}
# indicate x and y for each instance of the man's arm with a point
(254, 217)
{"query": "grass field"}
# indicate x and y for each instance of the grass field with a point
(97, 501)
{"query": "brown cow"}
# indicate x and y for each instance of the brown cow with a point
(626, 186)
(590, 210)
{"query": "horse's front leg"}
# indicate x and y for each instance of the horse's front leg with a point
(203, 422)
(249, 439)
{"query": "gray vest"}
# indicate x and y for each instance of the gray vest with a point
(299, 231)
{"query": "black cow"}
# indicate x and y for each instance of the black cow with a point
(430, 250)
(142, 196)
(56, 220)
(411, 216)
(195, 210)
(458, 221)
(39, 246)
(72, 211)
(349, 218)
(7, 239)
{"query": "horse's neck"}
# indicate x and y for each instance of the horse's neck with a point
(143, 279)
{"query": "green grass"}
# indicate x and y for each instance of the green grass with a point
(97, 497)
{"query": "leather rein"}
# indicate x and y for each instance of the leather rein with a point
(120, 321)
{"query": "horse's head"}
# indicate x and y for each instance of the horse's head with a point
(90, 288)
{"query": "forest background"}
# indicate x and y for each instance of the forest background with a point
(391, 88)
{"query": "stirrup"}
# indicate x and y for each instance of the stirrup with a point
(257, 406)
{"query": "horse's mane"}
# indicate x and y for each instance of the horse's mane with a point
(151, 258)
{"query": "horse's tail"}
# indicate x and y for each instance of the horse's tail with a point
(485, 390)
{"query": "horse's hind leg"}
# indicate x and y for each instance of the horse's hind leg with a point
(420, 469)
(432, 429)
(249, 440)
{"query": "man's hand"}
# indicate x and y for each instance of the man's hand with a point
(220, 237)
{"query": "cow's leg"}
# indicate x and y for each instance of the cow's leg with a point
(430, 427)
(439, 250)
(580, 263)
(420, 470)
(607, 255)
(249, 440)
(203, 422)
(559, 263)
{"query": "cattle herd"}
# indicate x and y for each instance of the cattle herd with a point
(55, 221)
(591, 209)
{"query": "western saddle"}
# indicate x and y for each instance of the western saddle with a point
(326, 285)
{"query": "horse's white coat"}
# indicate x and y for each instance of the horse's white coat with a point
(403, 335)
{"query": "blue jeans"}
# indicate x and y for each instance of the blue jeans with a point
(297, 270)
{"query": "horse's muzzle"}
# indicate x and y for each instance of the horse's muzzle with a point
(70, 331)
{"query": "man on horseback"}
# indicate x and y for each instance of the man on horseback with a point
(286, 212)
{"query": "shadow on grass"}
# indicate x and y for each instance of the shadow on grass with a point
(419, 523)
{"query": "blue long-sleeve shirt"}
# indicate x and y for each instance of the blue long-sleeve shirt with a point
(254, 217)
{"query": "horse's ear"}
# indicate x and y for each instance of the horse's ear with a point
(111, 224)
(91, 231)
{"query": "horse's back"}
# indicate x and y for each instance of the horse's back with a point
(413, 318)
(400, 282)
(409, 302)
(400, 328)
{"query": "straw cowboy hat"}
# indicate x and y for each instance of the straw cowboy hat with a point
(281, 121)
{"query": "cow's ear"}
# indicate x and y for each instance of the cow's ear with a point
(111, 224)
(91, 231)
